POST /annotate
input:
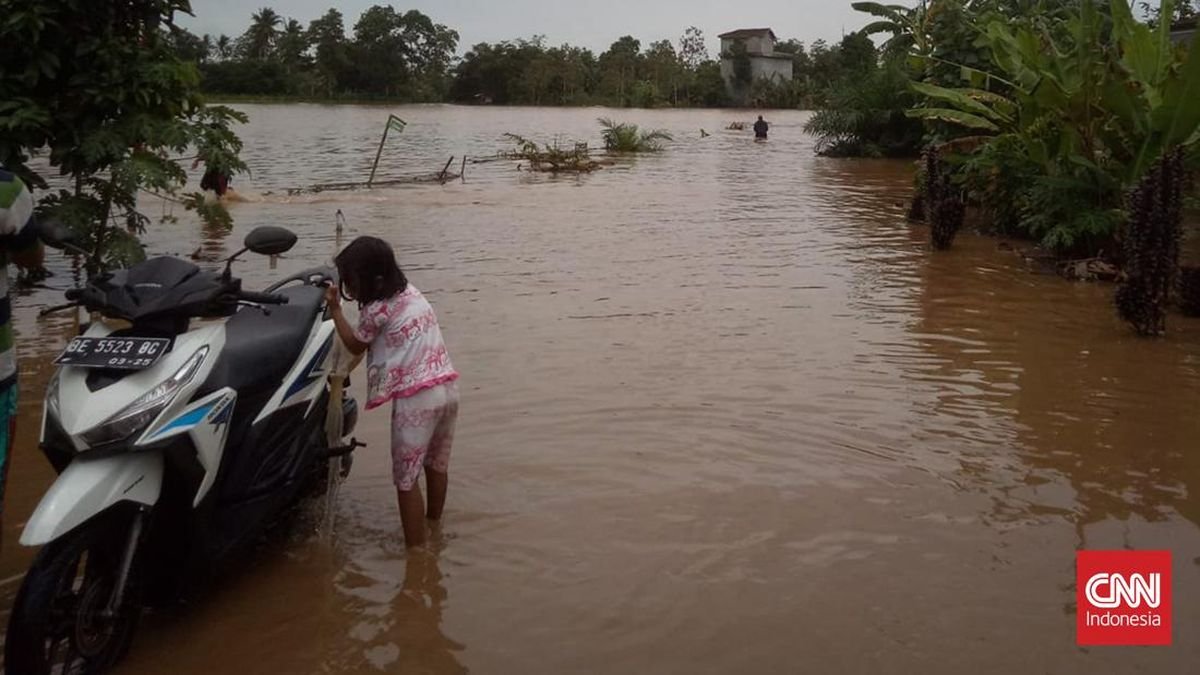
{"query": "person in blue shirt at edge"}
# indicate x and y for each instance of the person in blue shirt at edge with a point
(760, 128)
(19, 244)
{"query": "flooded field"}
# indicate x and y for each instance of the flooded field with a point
(723, 411)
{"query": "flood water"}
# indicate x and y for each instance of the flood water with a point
(723, 411)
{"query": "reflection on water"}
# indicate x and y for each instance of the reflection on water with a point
(722, 411)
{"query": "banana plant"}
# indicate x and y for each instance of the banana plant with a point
(1123, 98)
(1158, 106)
(907, 25)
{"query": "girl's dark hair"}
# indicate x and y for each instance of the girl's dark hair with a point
(368, 270)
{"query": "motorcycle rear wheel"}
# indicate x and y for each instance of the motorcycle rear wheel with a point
(59, 622)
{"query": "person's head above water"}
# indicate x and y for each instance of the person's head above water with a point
(368, 271)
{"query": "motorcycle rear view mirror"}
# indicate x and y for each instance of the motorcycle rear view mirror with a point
(264, 240)
(270, 240)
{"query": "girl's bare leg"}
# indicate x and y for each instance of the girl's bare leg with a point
(437, 483)
(412, 516)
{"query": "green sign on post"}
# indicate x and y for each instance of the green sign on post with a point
(392, 123)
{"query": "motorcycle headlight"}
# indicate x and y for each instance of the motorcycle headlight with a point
(138, 415)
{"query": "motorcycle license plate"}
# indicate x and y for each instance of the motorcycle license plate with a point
(126, 353)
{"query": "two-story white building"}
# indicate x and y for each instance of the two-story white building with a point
(765, 62)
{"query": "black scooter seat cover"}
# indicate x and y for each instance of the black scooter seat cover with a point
(261, 348)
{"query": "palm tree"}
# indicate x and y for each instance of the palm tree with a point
(207, 45)
(292, 44)
(224, 47)
(259, 39)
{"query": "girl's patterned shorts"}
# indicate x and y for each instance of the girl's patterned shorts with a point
(422, 433)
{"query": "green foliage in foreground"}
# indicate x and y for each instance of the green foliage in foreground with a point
(98, 89)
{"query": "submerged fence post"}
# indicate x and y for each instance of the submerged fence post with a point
(392, 123)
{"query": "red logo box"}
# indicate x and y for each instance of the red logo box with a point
(1124, 598)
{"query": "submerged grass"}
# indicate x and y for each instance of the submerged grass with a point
(552, 158)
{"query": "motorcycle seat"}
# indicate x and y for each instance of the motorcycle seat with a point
(261, 348)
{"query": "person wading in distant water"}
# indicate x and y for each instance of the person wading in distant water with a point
(761, 128)
(407, 366)
(213, 180)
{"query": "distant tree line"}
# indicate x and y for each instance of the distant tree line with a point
(393, 55)
(406, 56)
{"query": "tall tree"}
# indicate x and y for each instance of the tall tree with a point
(619, 68)
(328, 35)
(292, 45)
(692, 49)
(224, 47)
(402, 53)
(664, 69)
(857, 54)
(379, 51)
(190, 47)
(258, 41)
(693, 53)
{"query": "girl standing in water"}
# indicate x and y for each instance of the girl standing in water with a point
(407, 366)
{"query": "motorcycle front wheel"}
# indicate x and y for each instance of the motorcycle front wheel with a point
(61, 622)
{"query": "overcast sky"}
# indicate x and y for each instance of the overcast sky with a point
(595, 24)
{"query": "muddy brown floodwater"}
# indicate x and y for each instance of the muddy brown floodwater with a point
(723, 411)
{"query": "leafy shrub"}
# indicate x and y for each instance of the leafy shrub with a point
(866, 118)
(625, 137)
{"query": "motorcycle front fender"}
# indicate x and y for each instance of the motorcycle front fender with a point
(88, 487)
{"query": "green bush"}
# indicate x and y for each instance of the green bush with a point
(866, 118)
(624, 137)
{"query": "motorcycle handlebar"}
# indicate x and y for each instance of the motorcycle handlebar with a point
(262, 298)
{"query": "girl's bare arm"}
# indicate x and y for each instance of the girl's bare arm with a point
(345, 331)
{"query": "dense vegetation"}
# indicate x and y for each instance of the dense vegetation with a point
(393, 55)
(1045, 116)
(1049, 112)
(108, 103)
(405, 56)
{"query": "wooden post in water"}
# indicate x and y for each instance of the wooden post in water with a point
(462, 173)
(442, 175)
(378, 154)
(393, 121)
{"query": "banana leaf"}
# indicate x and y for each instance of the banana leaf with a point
(960, 99)
(1177, 119)
(1147, 55)
(1120, 98)
(952, 116)
(882, 27)
(880, 9)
